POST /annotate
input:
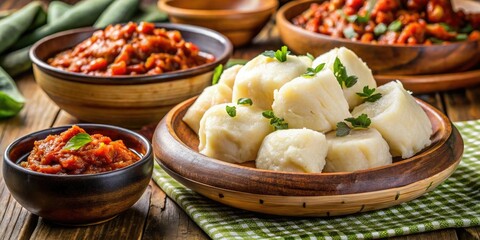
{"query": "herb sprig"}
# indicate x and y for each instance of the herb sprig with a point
(77, 141)
(341, 74)
(361, 122)
(368, 94)
(280, 55)
(276, 122)
(231, 110)
(245, 101)
(217, 73)
(313, 71)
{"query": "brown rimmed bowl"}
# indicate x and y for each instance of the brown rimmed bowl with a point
(381, 58)
(239, 20)
(306, 194)
(128, 101)
(78, 199)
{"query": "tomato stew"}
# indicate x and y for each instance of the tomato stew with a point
(96, 154)
(131, 49)
(391, 21)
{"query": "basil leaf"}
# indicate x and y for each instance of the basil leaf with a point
(217, 73)
(77, 141)
(231, 111)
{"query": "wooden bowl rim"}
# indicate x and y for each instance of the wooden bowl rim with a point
(88, 127)
(266, 7)
(178, 145)
(282, 20)
(136, 79)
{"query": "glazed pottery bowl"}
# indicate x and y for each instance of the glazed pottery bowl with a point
(381, 58)
(78, 199)
(128, 101)
(239, 20)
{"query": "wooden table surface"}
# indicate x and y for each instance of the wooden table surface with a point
(155, 216)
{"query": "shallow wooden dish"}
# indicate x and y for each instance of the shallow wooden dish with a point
(239, 20)
(301, 194)
(382, 59)
(128, 101)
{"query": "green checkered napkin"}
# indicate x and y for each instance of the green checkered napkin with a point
(455, 203)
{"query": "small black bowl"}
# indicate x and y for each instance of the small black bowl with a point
(78, 199)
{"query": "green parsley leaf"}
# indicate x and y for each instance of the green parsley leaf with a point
(245, 101)
(349, 33)
(231, 110)
(341, 74)
(77, 141)
(461, 37)
(368, 95)
(467, 29)
(435, 40)
(276, 122)
(310, 56)
(313, 71)
(395, 26)
(217, 73)
(342, 129)
(361, 122)
(364, 19)
(280, 55)
(380, 29)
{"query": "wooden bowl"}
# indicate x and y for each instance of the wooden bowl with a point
(128, 101)
(381, 58)
(78, 199)
(302, 194)
(239, 20)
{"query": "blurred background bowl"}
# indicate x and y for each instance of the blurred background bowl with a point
(128, 101)
(381, 58)
(239, 20)
(78, 199)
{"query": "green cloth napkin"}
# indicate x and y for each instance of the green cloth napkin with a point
(455, 203)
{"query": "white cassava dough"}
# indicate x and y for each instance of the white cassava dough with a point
(232, 139)
(210, 96)
(361, 149)
(293, 150)
(262, 75)
(400, 120)
(228, 76)
(354, 66)
(312, 102)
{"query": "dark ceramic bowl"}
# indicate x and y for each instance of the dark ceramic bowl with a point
(128, 101)
(78, 199)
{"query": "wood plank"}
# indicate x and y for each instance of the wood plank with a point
(463, 104)
(468, 233)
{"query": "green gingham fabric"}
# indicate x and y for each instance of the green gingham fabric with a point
(455, 203)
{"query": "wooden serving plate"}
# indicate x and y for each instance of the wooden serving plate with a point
(306, 194)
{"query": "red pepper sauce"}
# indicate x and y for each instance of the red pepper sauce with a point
(131, 49)
(100, 155)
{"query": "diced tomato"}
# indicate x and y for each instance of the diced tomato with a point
(119, 68)
(98, 64)
(146, 28)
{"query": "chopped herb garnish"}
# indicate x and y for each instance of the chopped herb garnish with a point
(77, 141)
(231, 110)
(361, 122)
(280, 55)
(217, 73)
(352, 18)
(310, 56)
(313, 71)
(395, 26)
(380, 29)
(341, 74)
(368, 95)
(461, 37)
(349, 33)
(447, 27)
(245, 101)
(467, 29)
(276, 122)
